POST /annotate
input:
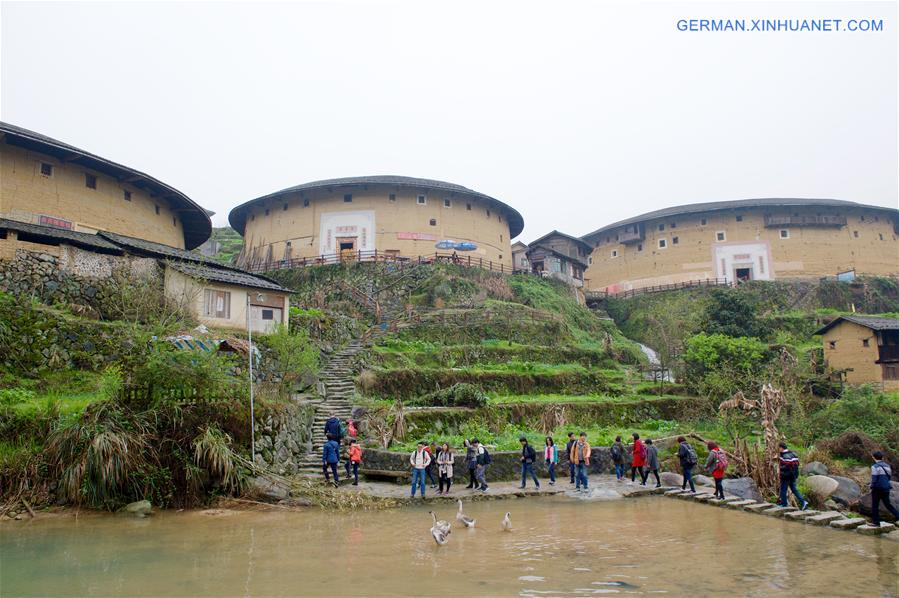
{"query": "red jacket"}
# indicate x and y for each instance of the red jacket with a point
(639, 454)
(355, 453)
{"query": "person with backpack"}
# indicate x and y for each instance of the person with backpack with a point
(617, 452)
(419, 459)
(652, 463)
(445, 458)
(686, 454)
(330, 458)
(483, 459)
(528, 456)
(429, 470)
(471, 462)
(789, 473)
(638, 460)
(580, 454)
(352, 432)
(880, 488)
(568, 446)
(551, 456)
(333, 427)
(354, 459)
(716, 464)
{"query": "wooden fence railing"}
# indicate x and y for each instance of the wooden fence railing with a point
(689, 284)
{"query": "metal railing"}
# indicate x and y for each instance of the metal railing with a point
(381, 256)
(689, 284)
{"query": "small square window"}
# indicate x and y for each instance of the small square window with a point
(306, 202)
(703, 222)
(174, 221)
(126, 194)
(157, 210)
(447, 203)
(639, 246)
(468, 207)
(673, 225)
(663, 243)
(661, 227)
(590, 260)
(720, 236)
(46, 169)
(500, 256)
(488, 213)
(881, 236)
(90, 181)
(433, 222)
(422, 200)
(784, 233)
(392, 198)
(739, 219)
(500, 238)
(267, 211)
(865, 343)
(284, 207)
(614, 253)
(268, 314)
(348, 198)
(833, 344)
(855, 234)
(252, 216)
(674, 240)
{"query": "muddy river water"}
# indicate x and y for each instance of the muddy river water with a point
(558, 547)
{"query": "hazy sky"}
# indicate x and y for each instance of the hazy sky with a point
(576, 113)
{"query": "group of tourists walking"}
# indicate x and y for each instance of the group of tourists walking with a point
(335, 432)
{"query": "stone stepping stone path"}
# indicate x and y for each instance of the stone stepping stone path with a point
(832, 519)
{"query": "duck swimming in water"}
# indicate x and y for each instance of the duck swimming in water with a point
(440, 530)
(466, 521)
(507, 522)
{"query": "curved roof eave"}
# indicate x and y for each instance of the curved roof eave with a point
(195, 220)
(737, 204)
(238, 216)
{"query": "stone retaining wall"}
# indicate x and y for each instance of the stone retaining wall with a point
(283, 435)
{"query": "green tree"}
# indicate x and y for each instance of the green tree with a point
(733, 313)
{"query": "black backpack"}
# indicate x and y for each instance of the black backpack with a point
(692, 458)
(487, 458)
(616, 452)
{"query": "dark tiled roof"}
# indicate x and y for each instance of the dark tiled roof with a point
(60, 235)
(556, 233)
(556, 252)
(737, 204)
(872, 322)
(238, 216)
(151, 248)
(197, 225)
(235, 277)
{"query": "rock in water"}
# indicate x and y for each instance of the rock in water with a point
(703, 480)
(814, 468)
(140, 508)
(821, 486)
(671, 479)
(864, 502)
(847, 493)
(745, 488)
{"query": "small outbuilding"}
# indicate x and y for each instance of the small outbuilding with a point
(561, 256)
(863, 349)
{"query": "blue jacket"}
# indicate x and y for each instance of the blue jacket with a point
(331, 452)
(332, 427)
(880, 475)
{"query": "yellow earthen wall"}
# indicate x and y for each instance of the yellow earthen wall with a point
(301, 225)
(850, 352)
(810, 252)
(25, 192)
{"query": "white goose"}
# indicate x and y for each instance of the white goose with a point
(507, 522)
(440, 530)
(466, 521)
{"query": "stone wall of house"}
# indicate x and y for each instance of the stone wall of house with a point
(284, 435)
(70, 275)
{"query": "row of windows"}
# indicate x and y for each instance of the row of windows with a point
(90, 181)
(421, 200)
(865, 343)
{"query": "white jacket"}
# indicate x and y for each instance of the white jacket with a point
(420, 460)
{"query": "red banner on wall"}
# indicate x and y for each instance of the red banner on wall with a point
(416, 236)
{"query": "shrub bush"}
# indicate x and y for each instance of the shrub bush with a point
(457, 395)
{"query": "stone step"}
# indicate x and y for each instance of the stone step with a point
(800, 515)
(760, 507)
(676, 491)
(739, 504)
(847, 523)
(872, 530)
(824, 518)
(779, 511)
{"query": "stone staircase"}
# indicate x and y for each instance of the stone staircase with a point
(336, 378)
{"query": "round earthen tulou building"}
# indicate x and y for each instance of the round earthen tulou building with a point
(374, 217)
(750, 239)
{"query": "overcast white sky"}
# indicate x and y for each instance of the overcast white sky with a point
(576, 113)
